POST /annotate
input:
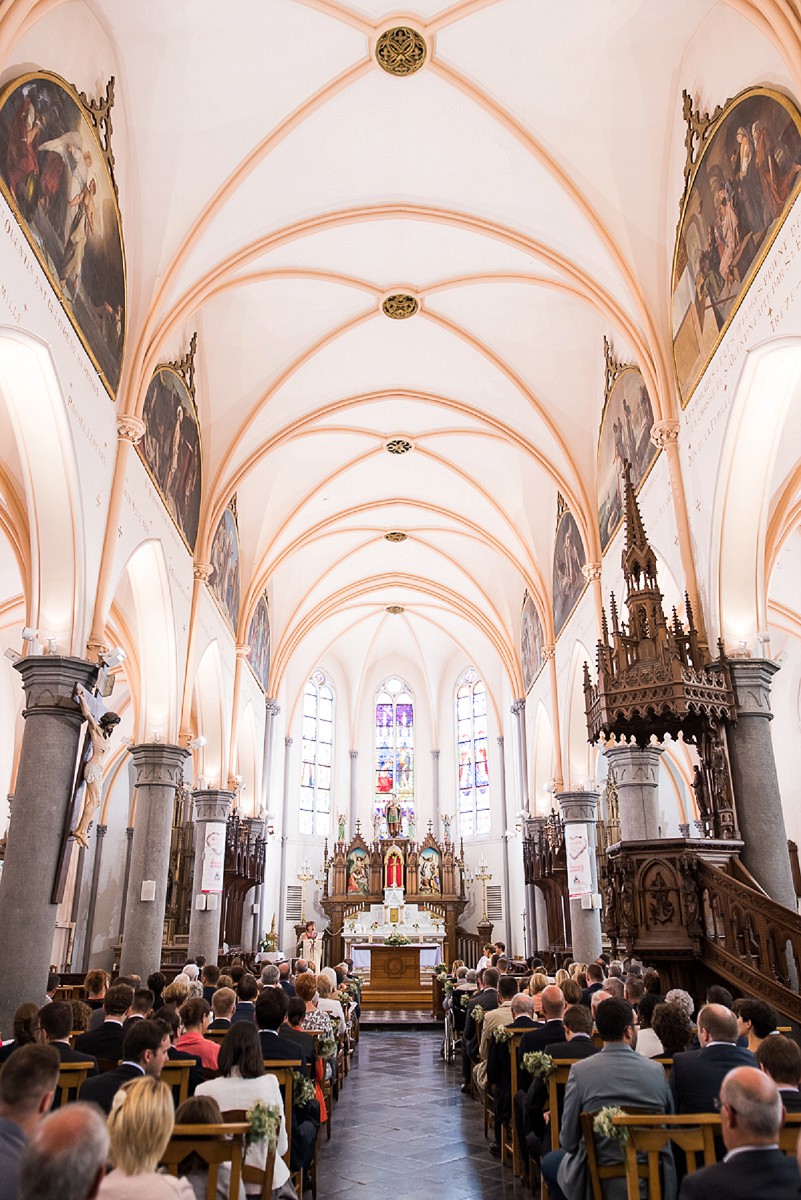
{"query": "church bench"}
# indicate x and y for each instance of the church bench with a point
(215, 1145)
(71, 1077)
(694, 1133)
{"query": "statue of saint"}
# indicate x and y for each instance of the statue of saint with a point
(100, 731)
(446, 826)
(340, 827)
(393, 814)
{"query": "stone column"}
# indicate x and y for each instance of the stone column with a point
(125, 879)
(519, 713)
(158, 769)
(637, 778)
(354, 754)
(271, 711)
(512, 927)
(435, 787)
(755, 782)
(258, 828)
(284, 824)
(100, 837)
(582, 808)
(76, 902)
(43, 797)
(210, 805)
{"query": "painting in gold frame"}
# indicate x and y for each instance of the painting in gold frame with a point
(56, 175)
(259, 642)
(224, 580)
(625, 435)
(532, 640)
(740, 187)
(569, 557)
(170, 449)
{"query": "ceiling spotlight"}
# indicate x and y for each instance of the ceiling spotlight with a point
(399, 445)
(395, 535)
(28, 634)
(395, 609)
(197, 743)
(113, 658)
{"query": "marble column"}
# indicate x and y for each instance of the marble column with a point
(210, 806)
(582, 808)
(354, 754)
(637, 777)
(284, 825)
(435, 787)
(258, 829)
(125, 880)
(512, 927)
(755, 782)
(271, 711)
(100, 837)
(158, 770)
(51, 740)
(519, 713)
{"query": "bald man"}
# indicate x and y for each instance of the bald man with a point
(66, 1155)
(751, 1116)
(553, 1030)
(697, 1075)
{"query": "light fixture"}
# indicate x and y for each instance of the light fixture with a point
(197, 743)
(28, 634)
(52, 647)
(112, 658)
(156, 736)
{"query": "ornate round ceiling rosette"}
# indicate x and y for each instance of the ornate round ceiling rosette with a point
(400, 306)
(398, 445)
(401, 50)
(395, 609)
(395, 535)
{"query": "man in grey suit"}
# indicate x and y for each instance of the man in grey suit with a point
(616, 1076)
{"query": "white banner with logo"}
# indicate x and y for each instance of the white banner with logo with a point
(579, 864)
(213, 851)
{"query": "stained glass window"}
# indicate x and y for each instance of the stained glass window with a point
(394, 743)
(472, 755)
(317, 737)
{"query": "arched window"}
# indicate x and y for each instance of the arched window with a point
(394, 743)
(472, 754)
(316, 749)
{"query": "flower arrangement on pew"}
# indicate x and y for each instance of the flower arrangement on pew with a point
(502, 1034)
(466, 998)
(265, 1123)
(302, 1087)
(538, 1064)
(478, 1014)
(326, 1047)
(604, 1126)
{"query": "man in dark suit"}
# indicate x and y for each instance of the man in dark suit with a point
(223, 1003)
(55, 1021)
(141, 1008)
(487, 998)
(595, 981)
(271, 1010)
(285, 981)
(144, 1052)
(499, 1065)
(552, 1030)
(696, 1075)
(751, 1117)
(106, 1042)
(247, 991)
(780, 1059)
(210, 977)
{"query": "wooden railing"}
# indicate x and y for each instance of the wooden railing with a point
(749, 939)
(469, 947)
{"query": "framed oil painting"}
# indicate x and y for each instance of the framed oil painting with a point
(224, 579)
(259, 642)
(170, 449)
(568, 559)
(54, 173)
(625, 436)
(430, 873)
(358, 872)
(740, 187)
(531, 643)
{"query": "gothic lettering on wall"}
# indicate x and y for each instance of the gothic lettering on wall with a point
(568, 559)
(224, 581)
(259, 641)
(531, 642)
(625, 436)
(55, 173)
(170, 449)
(741, 183)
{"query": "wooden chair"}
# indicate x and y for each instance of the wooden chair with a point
(214, 1144)
(556, 1080)
(667, 1063)
(282, 1070)
(694, 1133)
(599, 1173)
(176, 1075)
(788, 1134)
(107, 1064)
(517, 1153)
(216, 1035)
(71, 1077)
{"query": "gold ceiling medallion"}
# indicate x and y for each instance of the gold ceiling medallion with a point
(395, 535)
(398, 446)
(399, 306)
(401, 50)
(395, 609)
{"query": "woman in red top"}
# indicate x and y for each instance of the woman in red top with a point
(196, 1015)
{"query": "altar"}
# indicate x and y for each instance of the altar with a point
(362, 953)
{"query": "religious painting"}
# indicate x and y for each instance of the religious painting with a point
(625, 436)
(393, 871)
(568, 559)
(259, 642)
(531, 642)
(170, 449)
(55, 174)
(746, 174)
(358, 872)
(430, 872)
(224, 579)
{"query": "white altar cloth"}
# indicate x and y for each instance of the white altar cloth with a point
(430, 954)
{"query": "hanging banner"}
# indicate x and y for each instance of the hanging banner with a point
(579, 864)
(211, 879)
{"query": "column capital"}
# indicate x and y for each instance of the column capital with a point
(665, 433)
(211, 804)
(202, 571)
(752, 680)
(271, 707)
(592, 570)
(435, 754)
(500, 741)
(129, 832)
(634, 764)
(288, 742)
(130, 428)
(242, 650)
(158, 763)
(354, 754)
(518, 706)
(49, 681)
(101, 831)
(548, 652)
(578, 806)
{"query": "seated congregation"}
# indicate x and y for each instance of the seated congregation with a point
(595, 1084)
(211, 1086)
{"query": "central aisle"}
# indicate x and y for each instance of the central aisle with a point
(402, 1129)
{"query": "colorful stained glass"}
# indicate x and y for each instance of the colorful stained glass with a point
(316, 756)
(473, 755)
(394, 743)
